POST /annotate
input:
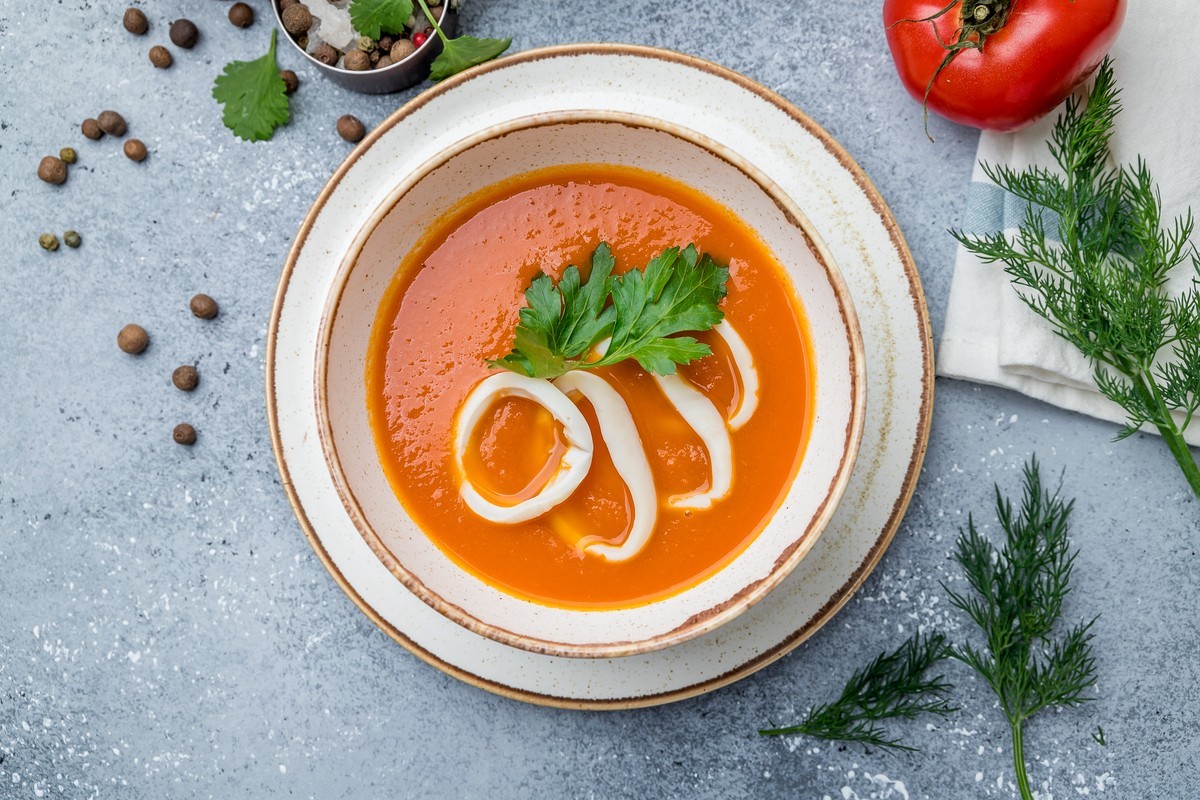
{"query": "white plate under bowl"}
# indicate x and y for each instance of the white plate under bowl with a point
(769, 134)
(497, 155)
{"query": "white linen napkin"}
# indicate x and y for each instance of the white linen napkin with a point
(989, 335)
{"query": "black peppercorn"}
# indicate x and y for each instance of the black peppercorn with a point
(112, 123)
(135, 21)
(160, 56)
(350, 128)
(241, 15)
(185, 378)
(133, 339)
(184, 33)
(184, 434)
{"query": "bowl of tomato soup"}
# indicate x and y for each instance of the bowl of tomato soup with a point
(589, 384)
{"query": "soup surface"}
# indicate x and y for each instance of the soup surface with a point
(454, 303)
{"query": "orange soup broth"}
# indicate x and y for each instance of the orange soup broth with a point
(454, 303)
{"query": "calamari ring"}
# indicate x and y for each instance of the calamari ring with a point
(573, 467)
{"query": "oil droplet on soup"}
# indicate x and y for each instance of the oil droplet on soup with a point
(454, 303)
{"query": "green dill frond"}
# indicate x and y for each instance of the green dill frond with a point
(892, 686)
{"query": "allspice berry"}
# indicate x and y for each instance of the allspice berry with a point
(350, 128)
(203, 306)
(135, 21)
(384, 61)
(291, 81)
(185, 378)
(160, 56)
(184, 33)
(68, 155)
(297, 19)
(285, 4)
(91, 129)
(135, 150)
(72, 239)
(241, 15)
(48, 241)
(184, 434)
(111, 123)
(133, 339)
(52, 169)
(325, 53)
(402, 49)
(357, 61)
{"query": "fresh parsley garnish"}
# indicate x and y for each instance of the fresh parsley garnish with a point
(254, 96)
(376, 17)
(1102, 283)
(562, 323)
(1016, 599)
(460, 53)
(892, 686)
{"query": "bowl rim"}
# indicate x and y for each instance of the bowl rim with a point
(446, 10)
(721, 611)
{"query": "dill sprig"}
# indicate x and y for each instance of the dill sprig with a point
(1101, 283)
(1017, 601)
(892, 686)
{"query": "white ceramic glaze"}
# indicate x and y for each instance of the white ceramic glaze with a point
(842, 205)
(495, 156)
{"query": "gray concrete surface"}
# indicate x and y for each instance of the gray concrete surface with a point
(165, 630)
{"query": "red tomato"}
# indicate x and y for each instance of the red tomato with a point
(1034, 52)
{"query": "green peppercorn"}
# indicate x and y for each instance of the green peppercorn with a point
(367, 44)
(68, 155)
(72, 238)
(48, 241)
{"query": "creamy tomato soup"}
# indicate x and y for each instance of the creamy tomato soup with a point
(454, 304)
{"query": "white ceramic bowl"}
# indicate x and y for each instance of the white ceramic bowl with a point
(533, 143)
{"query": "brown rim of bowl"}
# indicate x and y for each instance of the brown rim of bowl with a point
(421, 51)
(704, 620)
(835, 602)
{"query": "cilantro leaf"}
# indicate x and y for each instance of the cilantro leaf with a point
(463, 53)
(678, 291)
(375, 17)
(561, 325)
(254, 96)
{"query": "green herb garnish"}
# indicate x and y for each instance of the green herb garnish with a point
(892, 686)
(1016, 599)
(461, 52)
(376, 17)
(563, 322)
(254, 96)
(1102, 284)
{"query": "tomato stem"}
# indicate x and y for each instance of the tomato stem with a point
(978, 19)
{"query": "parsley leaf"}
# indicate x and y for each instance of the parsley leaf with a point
(561, 325)
(677, 291)
(463, 53)
(254, 96)
(375, 17)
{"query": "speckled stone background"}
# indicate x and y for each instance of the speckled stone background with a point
(165, 629)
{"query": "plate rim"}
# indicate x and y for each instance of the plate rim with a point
(839, 597)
